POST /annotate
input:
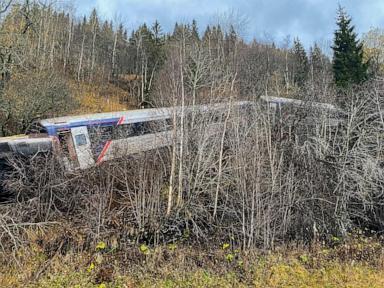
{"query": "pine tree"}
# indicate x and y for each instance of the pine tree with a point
(348, 65)
(207, 34)
(320, 71)
(317, 59)
(195, 31)
(178, 31)
(301, 64)
(157, 31)
(159, 42)
(230, 41)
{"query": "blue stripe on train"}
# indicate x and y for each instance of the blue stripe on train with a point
(53, 129)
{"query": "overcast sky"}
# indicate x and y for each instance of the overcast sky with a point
(310, 20)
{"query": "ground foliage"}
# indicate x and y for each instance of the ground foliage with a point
(355, 262)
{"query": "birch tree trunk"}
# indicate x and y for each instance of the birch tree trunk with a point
(114, 56)
(68, 48)
(93, 51)
(81, 58)
(181, 152)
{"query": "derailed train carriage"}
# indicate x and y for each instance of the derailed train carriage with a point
(83, 141)
(87, 140)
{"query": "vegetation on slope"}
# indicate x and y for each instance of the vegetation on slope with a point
(358, 262)
(256, 184)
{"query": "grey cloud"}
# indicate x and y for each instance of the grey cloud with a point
(310, 20)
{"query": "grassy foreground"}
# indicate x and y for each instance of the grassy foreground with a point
(358, 263)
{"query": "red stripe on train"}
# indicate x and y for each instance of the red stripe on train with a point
(121, 120)
(106, 146)
(104, 151)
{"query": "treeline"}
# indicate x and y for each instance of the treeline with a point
(90, 49)
(42, 42)
(38, 40)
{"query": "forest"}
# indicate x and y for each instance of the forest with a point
(260, 202)
(81, 56)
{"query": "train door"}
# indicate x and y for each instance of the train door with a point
(83, 147)
(65, 149)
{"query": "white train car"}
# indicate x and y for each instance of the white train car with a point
(87, 140)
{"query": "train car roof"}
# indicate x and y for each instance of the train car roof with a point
(11, 138)
(133, 115)
(126, 117)
(297, 102)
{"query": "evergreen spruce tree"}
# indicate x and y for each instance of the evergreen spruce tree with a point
(320, 71)
(348, 65)
(230, 40)
(195, 31)
(317, 59)
(300, 63)
(178, 31)
(207, 34)
(157, 32)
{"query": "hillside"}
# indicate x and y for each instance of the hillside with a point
(260, 191)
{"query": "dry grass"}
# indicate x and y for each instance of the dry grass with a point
(356, 263)
(95, 98)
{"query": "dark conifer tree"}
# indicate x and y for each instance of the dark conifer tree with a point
(195, 31)
(317, 59)
(178, 31)
(159, 42)
(207, 34)
(157, 31)
(348, 64)
(301, 66)
(230, 40)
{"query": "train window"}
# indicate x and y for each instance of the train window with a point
(100, 133)
(81, 140)
(140, 128)
(123, 131)
(152, 127)
(4, 147)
